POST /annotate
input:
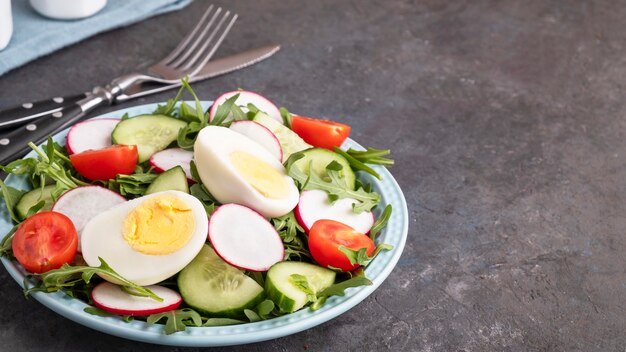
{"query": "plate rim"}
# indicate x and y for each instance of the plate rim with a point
(72, 308)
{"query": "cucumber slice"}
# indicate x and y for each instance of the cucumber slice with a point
(318, 158)
(150, 133)
(173, 179)
(287, 296)
(289, 141)
(215, 288)
(33, 197)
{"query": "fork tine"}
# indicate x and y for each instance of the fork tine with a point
(183, 44)
(200, 54)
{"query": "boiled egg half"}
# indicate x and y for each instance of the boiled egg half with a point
(236, 169)
(148, 239)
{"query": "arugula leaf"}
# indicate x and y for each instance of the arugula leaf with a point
(54, 164)
(227, 112)
(291, 233)
(170, 106)
(6, 249)
(11, 196)
(221, 322)
(336, 188)
(360, 257)
(101, 313)
(381, 222)
(339, 289)
(20, 166)
(371, 156)
(208, 202)
(68, 276)
(286, 115)
(302, 283)
(177, 320)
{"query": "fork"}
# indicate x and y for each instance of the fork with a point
(191, 54)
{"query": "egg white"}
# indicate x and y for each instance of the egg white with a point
(103, 237)
(212, 151)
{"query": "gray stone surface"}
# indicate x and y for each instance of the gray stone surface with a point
(506, 119)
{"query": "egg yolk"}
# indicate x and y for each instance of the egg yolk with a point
(160, 225)
(260, 175)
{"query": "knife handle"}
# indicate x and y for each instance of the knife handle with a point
(21, 115)
(14, 143)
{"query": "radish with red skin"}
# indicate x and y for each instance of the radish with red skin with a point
(245, 98)
(92, 134)
(314, 205)
(81, 204)
(169, 158)
(244, 238)
(259, 134)
(113, 299)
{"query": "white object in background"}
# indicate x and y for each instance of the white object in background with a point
(67, 9)
(6, 23)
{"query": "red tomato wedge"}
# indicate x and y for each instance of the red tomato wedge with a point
(326, 236)
(104, 164)
(320, 133)
(45, 241)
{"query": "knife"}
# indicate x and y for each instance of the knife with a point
(13, 143)
(20, 115)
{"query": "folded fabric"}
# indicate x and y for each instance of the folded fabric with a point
(35, 36)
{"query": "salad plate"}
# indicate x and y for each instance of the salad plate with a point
(377, 271)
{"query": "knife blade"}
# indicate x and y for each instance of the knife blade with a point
(21, 115)
(13, 144)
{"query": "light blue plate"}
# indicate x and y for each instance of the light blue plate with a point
(395, 234)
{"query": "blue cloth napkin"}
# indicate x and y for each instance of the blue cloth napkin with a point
(35, 35)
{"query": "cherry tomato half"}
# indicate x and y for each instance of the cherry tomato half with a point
(45, 241)
(320, 133)
(326, 236)
(104, 164)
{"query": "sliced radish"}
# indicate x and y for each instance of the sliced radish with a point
(259, 134)
(314, 205)
(245, 98)
(91, 134)
(113, 299)
(244, 238)
(83, 203)
(168, 158)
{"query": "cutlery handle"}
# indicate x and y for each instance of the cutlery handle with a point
(14, 143)
(21, 115)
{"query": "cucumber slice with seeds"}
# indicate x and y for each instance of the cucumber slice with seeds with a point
(215, 288)
(150, 133)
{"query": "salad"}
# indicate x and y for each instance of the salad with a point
(194, 218)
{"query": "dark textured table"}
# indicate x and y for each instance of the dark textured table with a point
(506, 119)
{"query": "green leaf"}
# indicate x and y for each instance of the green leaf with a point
(177, 320)
(286, 115)
(381, 222)
(208, 201)
(20, 166)
(221, 322)
(371, 156)
(336, 187)
(360, 256)
(101, 313)
(227, 111)
(339, 289)
(11, 196)
(251, 315)
(356, 164)
(170, 106)
(6, 248)
(132, 185)
(68, 276)
(302, 283)
(265, 308)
